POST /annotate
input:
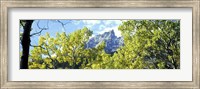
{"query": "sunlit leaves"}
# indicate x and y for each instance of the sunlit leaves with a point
(61, 50)
(155, 43)
(148, 44)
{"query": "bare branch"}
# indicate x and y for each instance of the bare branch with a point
(41, 29)
(37, 46)
(63, 24)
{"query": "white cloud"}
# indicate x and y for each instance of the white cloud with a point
(76, 22)
(111, 22)
(91, 23)
(115, 28)
(101, 27)
(119, 22)
(107, 22)
(92, 36)
(110, 25)
(117, 32)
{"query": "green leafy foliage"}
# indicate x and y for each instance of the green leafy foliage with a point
(151, 43)
(148, 44)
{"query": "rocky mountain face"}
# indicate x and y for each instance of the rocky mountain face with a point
(112, 42)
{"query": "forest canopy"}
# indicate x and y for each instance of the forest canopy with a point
(147, 44)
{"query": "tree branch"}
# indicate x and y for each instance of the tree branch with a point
(63, 24)
(37, 46)
(41, 29)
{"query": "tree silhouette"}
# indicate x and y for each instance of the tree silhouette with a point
(26, 24)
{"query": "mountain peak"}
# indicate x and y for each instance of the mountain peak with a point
(112, 31)
(112, 42)
(112, 34)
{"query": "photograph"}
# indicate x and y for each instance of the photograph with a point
(99, 44)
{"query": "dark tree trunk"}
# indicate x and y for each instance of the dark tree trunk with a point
(25, 44)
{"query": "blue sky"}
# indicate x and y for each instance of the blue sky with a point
(97, 26)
